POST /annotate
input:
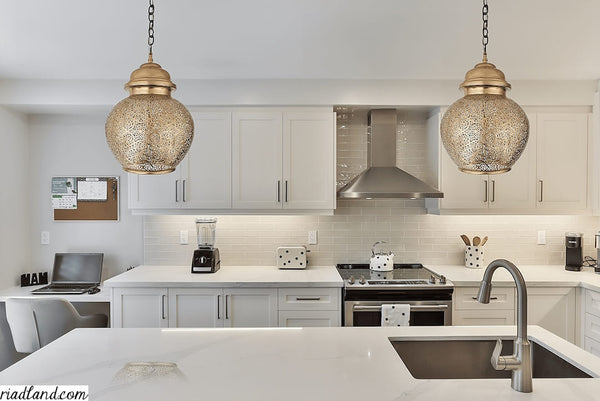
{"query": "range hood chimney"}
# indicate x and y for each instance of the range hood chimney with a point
(382, 179)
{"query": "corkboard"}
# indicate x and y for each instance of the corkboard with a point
(94, 210)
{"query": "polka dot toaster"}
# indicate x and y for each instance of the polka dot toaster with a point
(381, 261)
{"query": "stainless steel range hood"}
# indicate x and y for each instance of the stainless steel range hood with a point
(382, 179)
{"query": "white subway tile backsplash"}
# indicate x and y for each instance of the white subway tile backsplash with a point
(348, 235)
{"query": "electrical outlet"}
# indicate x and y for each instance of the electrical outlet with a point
(541, 237)
(312, 237)
(45, 238)
(183, 237)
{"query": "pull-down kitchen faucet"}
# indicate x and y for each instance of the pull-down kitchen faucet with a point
(520, 361)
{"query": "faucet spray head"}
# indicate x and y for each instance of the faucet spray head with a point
(485, 290)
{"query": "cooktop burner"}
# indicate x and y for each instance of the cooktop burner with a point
(404, 274)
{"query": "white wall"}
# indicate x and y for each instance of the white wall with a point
(66, 145)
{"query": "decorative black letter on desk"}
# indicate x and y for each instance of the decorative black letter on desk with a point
(29, 279)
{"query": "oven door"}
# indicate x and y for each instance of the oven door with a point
(422, 313)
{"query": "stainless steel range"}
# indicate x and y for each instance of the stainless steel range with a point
(365, 291)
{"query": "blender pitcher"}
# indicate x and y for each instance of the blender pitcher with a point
(205, 228)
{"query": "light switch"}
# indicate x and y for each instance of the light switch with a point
(541, 237)
(183, 237)
(45, 238)
(312, 237)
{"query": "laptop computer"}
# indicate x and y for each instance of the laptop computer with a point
(74, 273)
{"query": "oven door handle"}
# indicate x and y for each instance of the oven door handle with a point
(375, 308)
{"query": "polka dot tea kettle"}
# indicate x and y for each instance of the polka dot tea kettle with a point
(381, 261)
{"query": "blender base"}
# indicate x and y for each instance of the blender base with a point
(206, 261)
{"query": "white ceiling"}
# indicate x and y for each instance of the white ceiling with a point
(313, 39)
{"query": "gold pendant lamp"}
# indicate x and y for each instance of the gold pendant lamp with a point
(149, 132)
(485, 132)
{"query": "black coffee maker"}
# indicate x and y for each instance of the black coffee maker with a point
(574, 251)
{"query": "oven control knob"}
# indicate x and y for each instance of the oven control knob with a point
(432, 279)
(442, 279)
(362, 280)
(351, 280)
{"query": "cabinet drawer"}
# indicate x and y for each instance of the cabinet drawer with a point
(496, 317)
(591, 345)
(302, 318)
(501, 298)
(592, 302)
(309, 299)
(592, 326)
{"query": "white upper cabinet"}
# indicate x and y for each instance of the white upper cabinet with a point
(551, 176)
(562, 161)
(284, 160)
(203, 178)
(308, 151)
(257, 160)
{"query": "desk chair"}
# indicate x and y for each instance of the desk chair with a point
(36, 322)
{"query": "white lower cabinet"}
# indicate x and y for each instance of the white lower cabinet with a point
(139, 307)
(554, 309)
(225, 307)
(591, 326)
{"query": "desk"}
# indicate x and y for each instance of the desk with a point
(84, 303)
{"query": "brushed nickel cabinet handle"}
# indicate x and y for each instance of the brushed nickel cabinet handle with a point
(486, 192)
(541, 190)
(286, 191)
(226, 307)
(491, 298)
(164, 297)
(176, 190)
(493, 191)
(183, 190)
(278, 191)
(218, 307)
(308, 298)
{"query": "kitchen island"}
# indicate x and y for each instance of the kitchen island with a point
(282, 364)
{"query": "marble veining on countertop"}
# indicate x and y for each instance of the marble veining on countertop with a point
(227, 276)
(293, 364)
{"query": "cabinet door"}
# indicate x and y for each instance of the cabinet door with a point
(139, 307)
(257, 160)
(195, 307)
(206, 182)
(517, 188)
(250, 307)
(494, 317)
(162, 191)
(553, 308)
(562, 161)
(308, 160)
(461, 190)
(305, 318)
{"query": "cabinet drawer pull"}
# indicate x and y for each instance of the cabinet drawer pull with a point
(226, 307)
(218, 307)
(278, 191)
(485, 194)
(176, 190)
(541, 190)
(493, 191)
(286, 191)
(308, 298)
(164, 297)
(491, 298)
(183, 191)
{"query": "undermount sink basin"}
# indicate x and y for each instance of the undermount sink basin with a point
(470, 359)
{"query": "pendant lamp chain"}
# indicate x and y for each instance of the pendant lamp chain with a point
(484, 16)
(151, 26)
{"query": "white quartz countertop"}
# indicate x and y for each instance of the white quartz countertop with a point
(534, 275)
(227, 276)
(282, 364)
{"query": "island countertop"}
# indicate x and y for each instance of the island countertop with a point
(227, 276)
(282, 364)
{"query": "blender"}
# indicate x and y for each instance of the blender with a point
(206, 257)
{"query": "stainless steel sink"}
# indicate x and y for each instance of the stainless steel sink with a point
(470, 359)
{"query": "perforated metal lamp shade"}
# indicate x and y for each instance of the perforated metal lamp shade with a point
(484, 132)
(149, 132)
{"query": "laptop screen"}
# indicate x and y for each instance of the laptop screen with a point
(77, 268)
